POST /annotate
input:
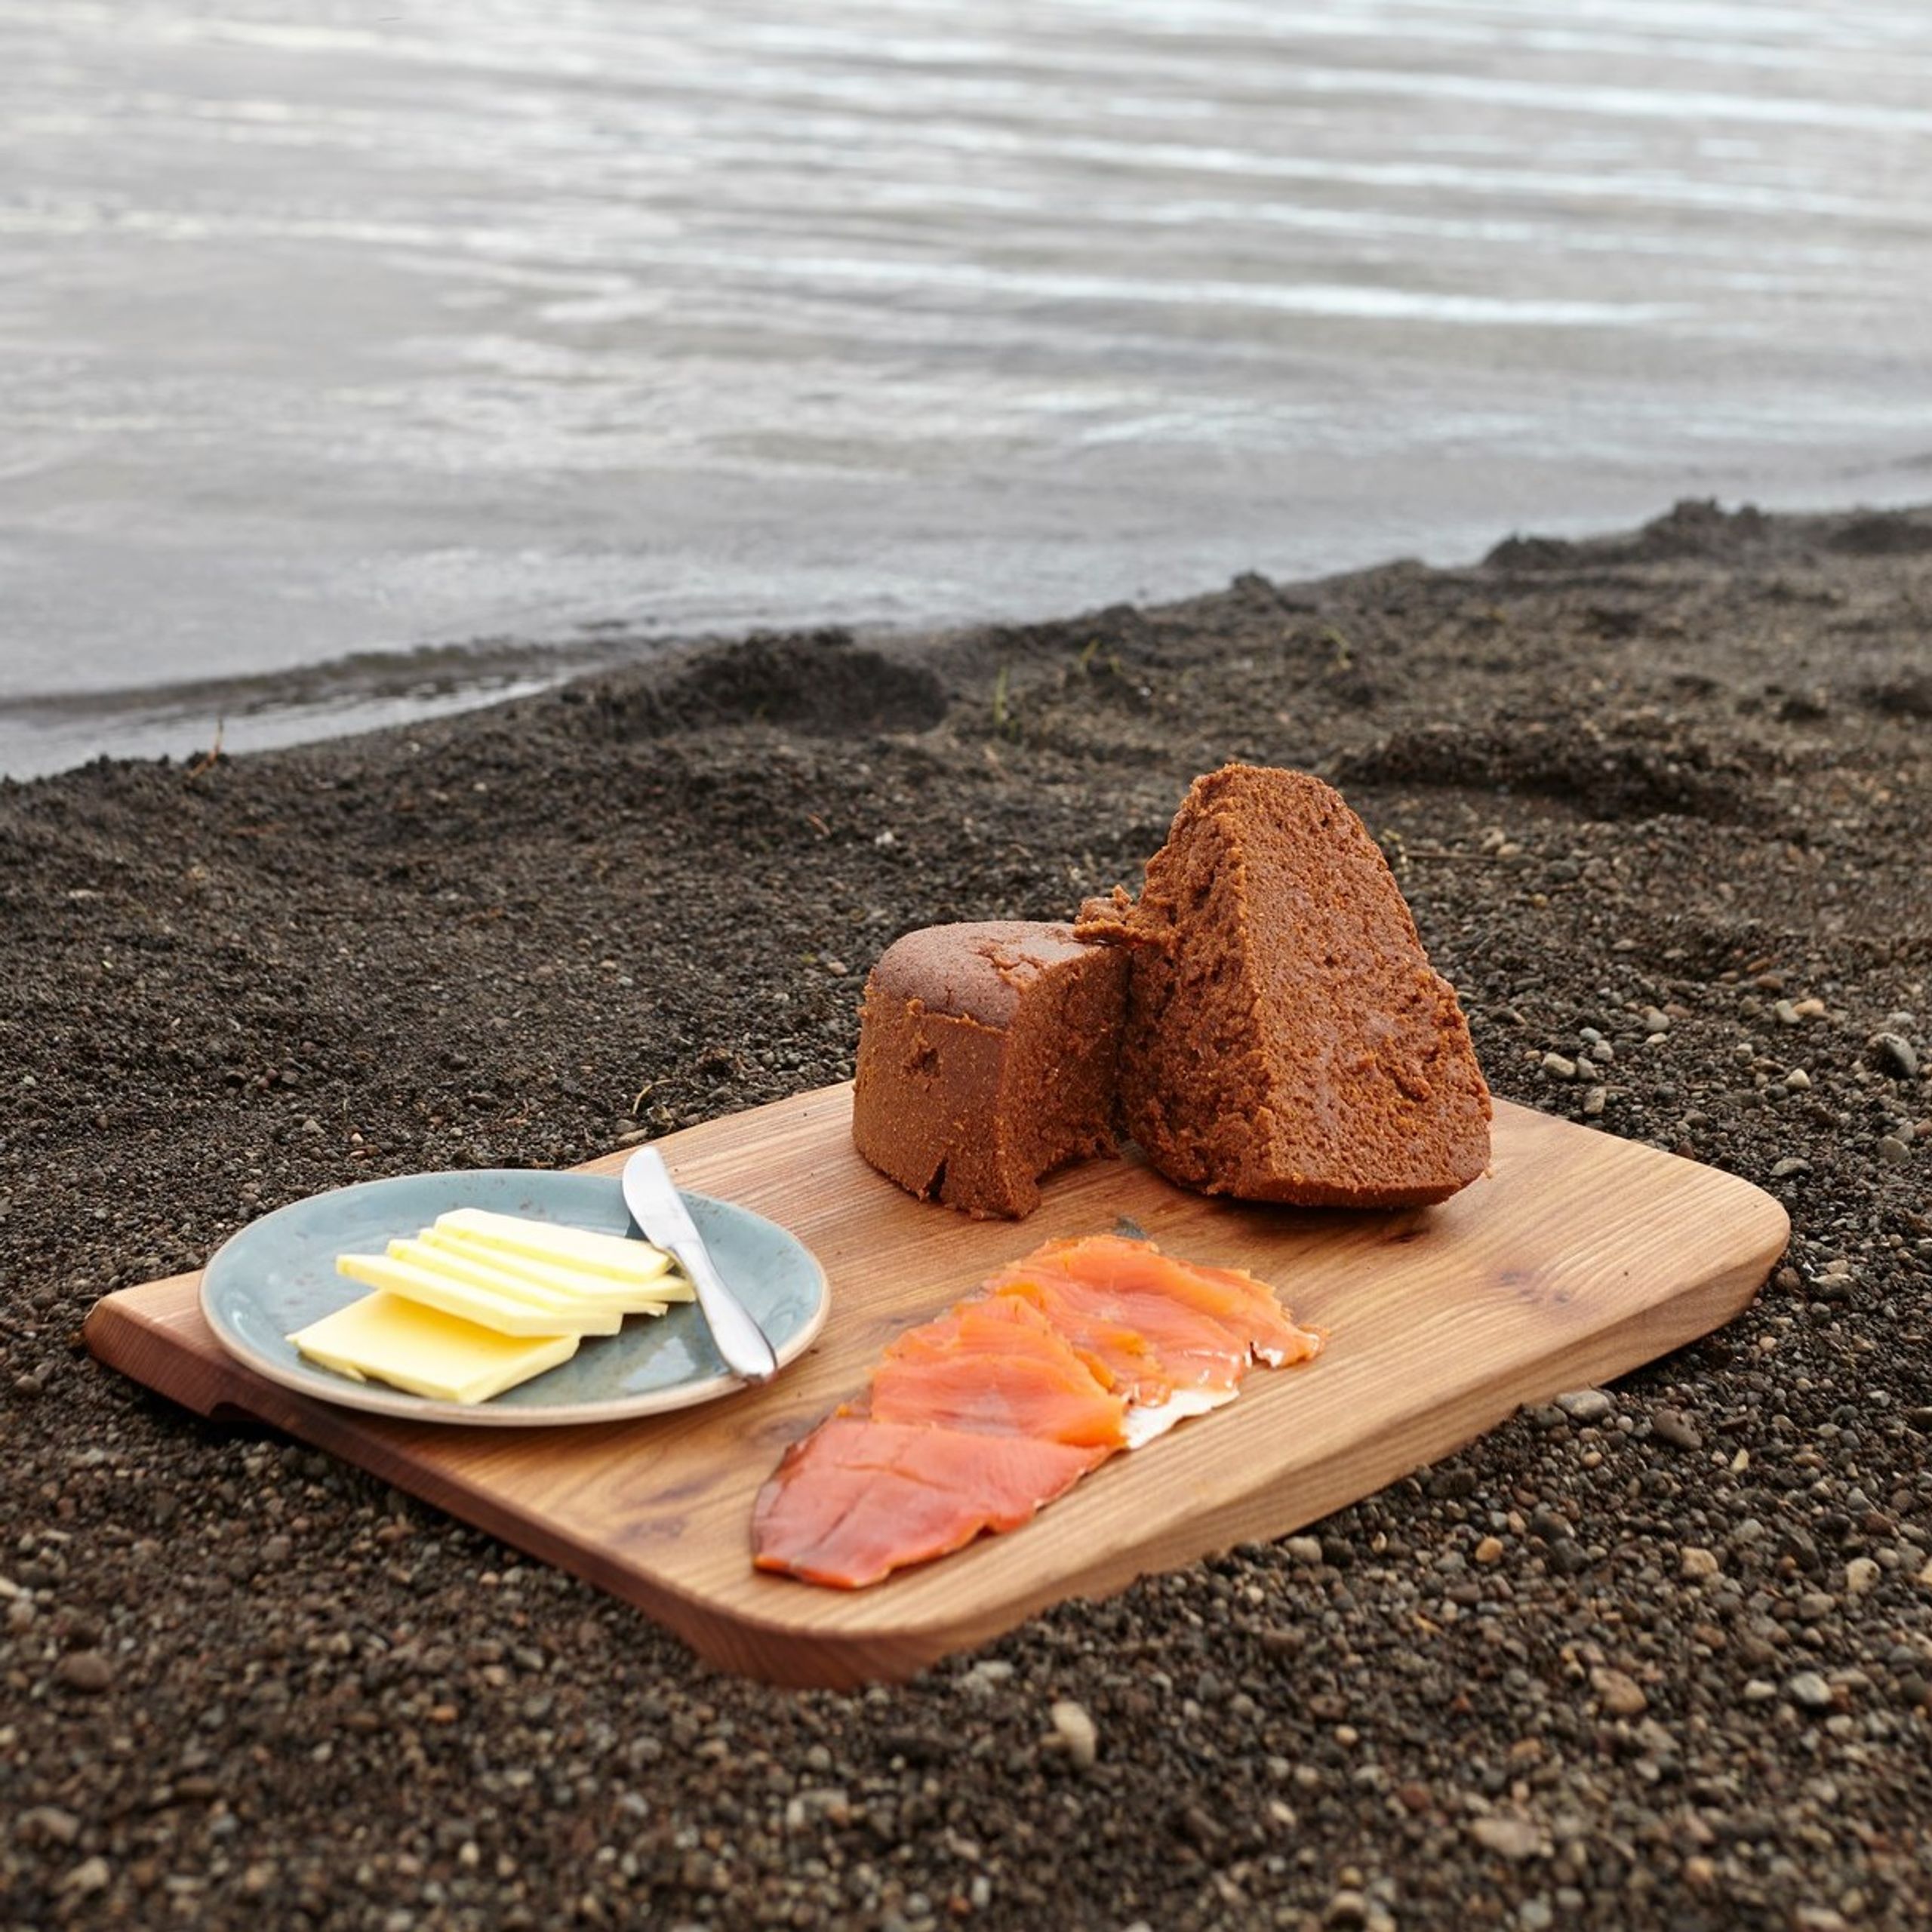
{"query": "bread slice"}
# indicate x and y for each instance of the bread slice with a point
(986, 1059)
(1286, 1038)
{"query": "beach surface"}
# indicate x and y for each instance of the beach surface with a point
(1656, 1654)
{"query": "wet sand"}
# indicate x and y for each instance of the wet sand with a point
(1659, 1655)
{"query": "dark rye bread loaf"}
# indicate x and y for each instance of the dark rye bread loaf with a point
(1286, 1038)
(986, 1056)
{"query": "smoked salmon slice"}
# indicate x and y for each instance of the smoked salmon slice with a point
(1119, 1355)
(858, 1498)
(1127, 1269)
(977, 1419)
(1190, 1350)
(1004, 1370)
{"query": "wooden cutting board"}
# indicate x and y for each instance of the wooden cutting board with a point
(1579, 1257)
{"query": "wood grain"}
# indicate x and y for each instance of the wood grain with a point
(1579, 1257)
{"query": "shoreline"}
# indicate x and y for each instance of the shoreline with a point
(1633, 1660)
(44, 732)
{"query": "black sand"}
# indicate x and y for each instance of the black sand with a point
(1661, 1657)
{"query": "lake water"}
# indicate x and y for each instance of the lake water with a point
(337, 330)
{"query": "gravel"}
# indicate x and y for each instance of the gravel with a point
(1666, 793)
(1075, 1732)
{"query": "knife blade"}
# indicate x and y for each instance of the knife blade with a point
(659, 1210)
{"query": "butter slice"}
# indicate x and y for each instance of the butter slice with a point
(386, 1339)
(468, 1303)
(614, 1255)
(599, 1312)
(639, 1294)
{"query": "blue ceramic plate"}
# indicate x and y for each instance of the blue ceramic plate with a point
(278, 1274)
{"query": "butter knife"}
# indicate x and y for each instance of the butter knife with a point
(659, 1210)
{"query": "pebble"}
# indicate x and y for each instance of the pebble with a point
(90, 1875)
(1595, 1100)
(86, 1671)
(986, 1676)
(1861, 1573)
(1655, 1019)
(1699, 1564)
(1809, 1691)
(1896, 1055)
(1305, 1549)
(47, 1824)
(1791, 1164)
(1074, 1733)
(1489, 1550)
(1559, 1068)
(1619, 1693)
(1892, 1151)
(1674, 1426)
(1198, 1827)
(1514, 1838)
(1586, 1405)
(826, 1804)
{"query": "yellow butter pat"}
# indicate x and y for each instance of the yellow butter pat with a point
(615, 1255)
(595, 1313)
(638, 1294)
(468, 1302)
(385, 1338)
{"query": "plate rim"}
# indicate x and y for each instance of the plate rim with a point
(373, 1398)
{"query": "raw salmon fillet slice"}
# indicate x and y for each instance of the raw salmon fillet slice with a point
(858, 1498)
(1002, 1370)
